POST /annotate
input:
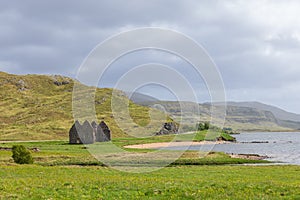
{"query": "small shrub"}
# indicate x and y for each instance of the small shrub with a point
(203, 126)
(21, 155)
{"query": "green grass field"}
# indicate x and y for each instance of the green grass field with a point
(180, 182)
(63, 171)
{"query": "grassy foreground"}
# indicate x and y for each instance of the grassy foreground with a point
(184, 182)
(63, 171)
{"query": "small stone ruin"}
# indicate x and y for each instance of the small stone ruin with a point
(89, 133)
(168, 128)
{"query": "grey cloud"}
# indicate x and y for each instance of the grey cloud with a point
(284, 43)
(253, 53)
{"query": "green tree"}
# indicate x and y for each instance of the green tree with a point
(203, 126)
(21, 155)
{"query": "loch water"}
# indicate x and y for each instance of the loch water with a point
(278, 146)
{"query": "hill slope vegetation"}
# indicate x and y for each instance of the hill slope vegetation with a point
(39, 107)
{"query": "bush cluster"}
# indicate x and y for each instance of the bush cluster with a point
(21, 155)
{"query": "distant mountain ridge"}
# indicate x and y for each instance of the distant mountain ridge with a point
(137, 97)
(278, 112)
(243, 116)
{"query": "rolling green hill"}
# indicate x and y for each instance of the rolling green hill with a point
(39, 107)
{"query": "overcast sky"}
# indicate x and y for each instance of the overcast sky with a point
(255, 44)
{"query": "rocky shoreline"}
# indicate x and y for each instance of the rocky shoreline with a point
(248, 156)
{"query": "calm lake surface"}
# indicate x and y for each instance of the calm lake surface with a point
(281, 146)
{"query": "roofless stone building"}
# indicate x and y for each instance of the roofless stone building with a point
(88, 133)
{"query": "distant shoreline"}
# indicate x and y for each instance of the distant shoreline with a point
(267, 131)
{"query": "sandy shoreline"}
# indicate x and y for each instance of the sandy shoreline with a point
(178, 144)
(172, 144)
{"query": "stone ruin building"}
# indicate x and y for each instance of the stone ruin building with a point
(88, 133)
(168, 128)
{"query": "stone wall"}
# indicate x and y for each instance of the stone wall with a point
(88, 133)
(168, 128)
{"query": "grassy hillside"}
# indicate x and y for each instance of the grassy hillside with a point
(37, 107)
